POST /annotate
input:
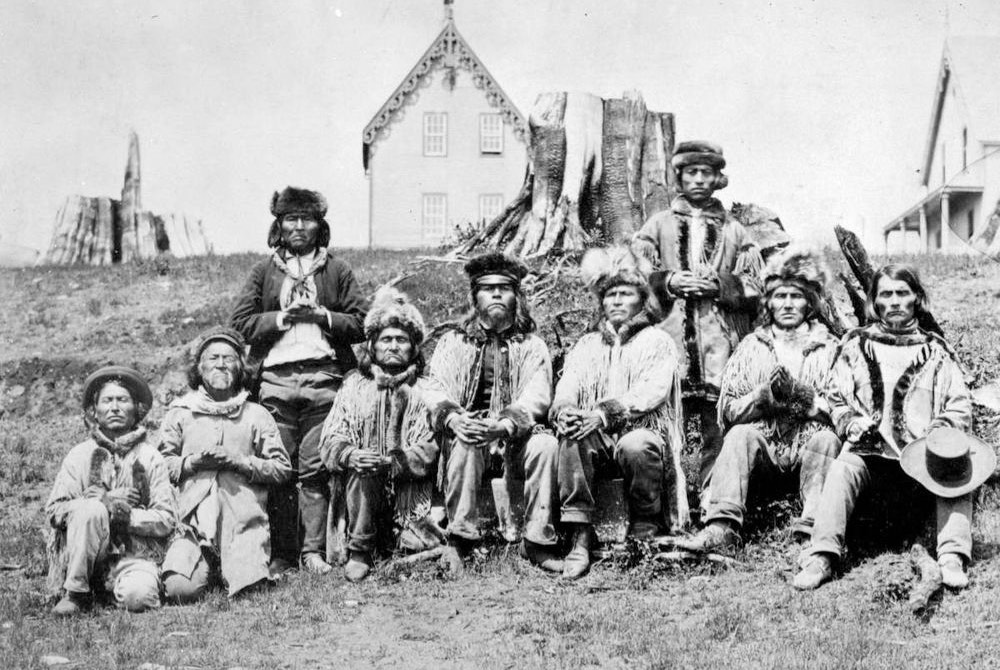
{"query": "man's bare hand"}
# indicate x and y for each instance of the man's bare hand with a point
(306, 314)
(364, 461)
(688, 285)
(126, 494)
(580, 423)
(859, 427)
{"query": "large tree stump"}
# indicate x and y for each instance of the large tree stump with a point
(131, 204)
(658, 181)
(621, 176)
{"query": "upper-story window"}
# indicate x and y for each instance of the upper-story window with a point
(490, 134)
(435, 134)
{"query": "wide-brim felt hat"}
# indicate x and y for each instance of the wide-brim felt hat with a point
(949, 462)
(127, 377)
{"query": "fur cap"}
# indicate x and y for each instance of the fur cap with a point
(605, 268)
(698, 152)
(797, 266)
(495, 263)
(294, 200)
(392, 309)
(225, 334)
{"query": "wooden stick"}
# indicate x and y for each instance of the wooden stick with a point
(679, 555)
(413, 559)
(930, 579)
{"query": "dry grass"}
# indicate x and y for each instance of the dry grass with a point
(57, 324)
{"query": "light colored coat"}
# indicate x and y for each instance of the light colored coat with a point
(929, 394)
(705, 330)
(243, 540)
(632, 376)
(151, 522)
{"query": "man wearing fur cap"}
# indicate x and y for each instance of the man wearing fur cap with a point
(617, 408)
(489, 390)
(300, 311)
(777, 421)
(378, 435)
(894, 385)
(707, 282)
(112, 509)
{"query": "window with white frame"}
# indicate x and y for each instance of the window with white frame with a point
(434, 222)
(490, 134)
(490, 205)
(435, 134)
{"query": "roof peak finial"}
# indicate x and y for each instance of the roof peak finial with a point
(449, 11)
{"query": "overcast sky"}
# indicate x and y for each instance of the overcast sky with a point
(822, 107)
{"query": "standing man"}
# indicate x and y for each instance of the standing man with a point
(897, 391)
(112, 508)
(617, 408)
(378, 434)
(707, 284)
(300, 311)
(489, 390)
(777, 421)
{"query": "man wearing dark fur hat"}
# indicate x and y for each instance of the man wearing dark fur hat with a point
(617, 409)
(112, 508)
(300, 311)
(771, 406)
(707, 282)
(378, 435)
(489, 387)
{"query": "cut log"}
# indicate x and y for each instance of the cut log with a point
(657, 175)
(62, 229)
(131, 203)
(621, 178)
(84, 245)
(104, 234)
(929, 582)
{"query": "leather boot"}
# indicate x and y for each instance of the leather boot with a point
(542, 556)
(313, 506)
(358, 566)
(72, 604)
(577, 561)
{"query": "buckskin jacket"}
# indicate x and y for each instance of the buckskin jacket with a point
(706, 330)
(151, 522)
(258, 305)
(237, 500)
(930, 390)
(632, 376)
(751, 366)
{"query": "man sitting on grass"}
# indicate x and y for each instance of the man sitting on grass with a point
(378, 434)
(112, 508)
(778, 423)
(223, 453)
(898, 399)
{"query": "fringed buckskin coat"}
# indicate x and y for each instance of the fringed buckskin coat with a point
(522, 384)
(241, 428)
(706, 330)
(751, 366)
(151, 522)
(931, 391)
(385, 414)
(632, 376)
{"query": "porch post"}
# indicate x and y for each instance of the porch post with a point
(924, 242)
(945, 221)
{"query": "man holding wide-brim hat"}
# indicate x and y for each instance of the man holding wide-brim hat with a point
(112, 508)
(898, 399)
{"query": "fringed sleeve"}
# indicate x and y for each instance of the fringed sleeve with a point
(418, 445)
(654, 383)
(567, 393)
(341, 434)
(955, 400)
(741, 396)
(840, 390)
(646, 241)
(740, 288)
(448, 373)
(533, 394)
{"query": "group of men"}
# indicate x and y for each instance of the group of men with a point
(236, 491)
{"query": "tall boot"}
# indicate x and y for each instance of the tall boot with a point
(577, 561)
(313, 506)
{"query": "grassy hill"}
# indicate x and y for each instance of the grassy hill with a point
(58, 324)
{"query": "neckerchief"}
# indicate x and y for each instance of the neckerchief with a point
(118, 446)
(384, 380)
(201, 402)
(299, 286)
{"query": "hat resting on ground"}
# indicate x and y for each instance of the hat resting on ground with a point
(495, 264)
(392, 309)
(127, 377)
(225, 334)
(294, 200)
(603, 268)
(949, 462)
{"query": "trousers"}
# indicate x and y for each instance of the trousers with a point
(638, 454)
(746, 451)
(851, 475)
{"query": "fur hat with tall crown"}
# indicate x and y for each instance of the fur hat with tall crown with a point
(392, 309)
(294, 200)
(495, 263)
(603, 268)
(797, 266)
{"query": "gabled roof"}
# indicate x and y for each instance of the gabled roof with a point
(973, 65)
(449, 48)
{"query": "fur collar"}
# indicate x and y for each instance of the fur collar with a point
(117, 446)
(384, 380)
(474, 331)
(713, 209)
(814, 338)
(628, 330)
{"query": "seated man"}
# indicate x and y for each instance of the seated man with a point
(894, 383)
(112, 507)
(379, 435)
(770, 403)
(618, 405)
(489, 386)
(223, 453)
